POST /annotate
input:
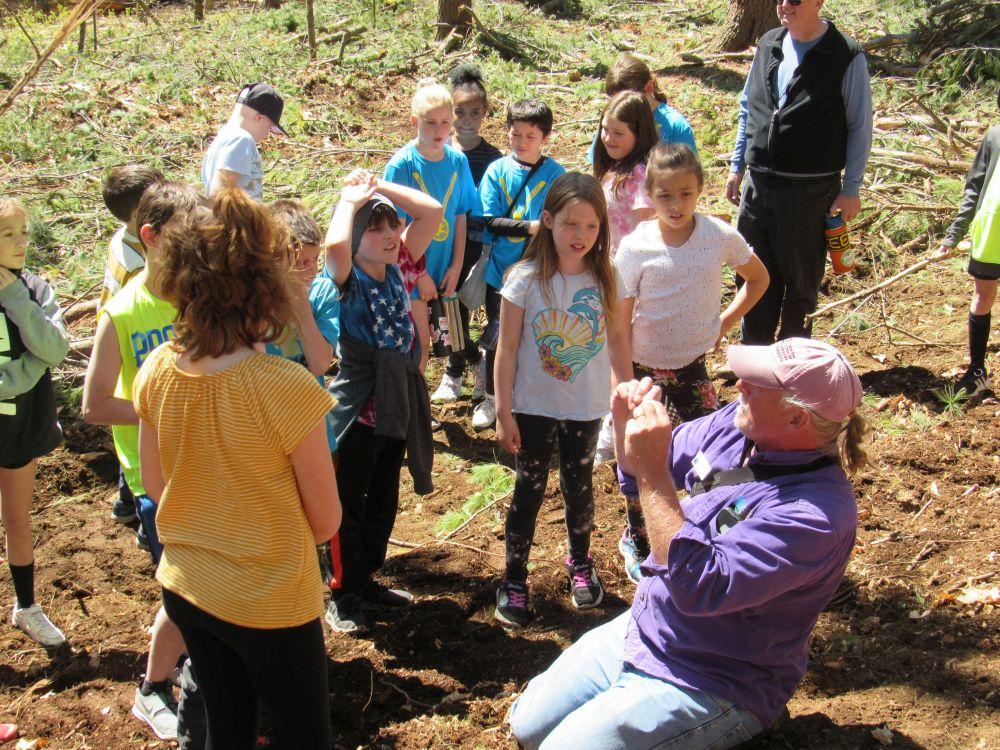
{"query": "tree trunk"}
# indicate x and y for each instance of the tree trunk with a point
(199, 10)
(453, 14)
(311, 28)
(744, 24)
(272, 4)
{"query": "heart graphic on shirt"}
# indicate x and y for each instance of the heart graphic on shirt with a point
(568, 339)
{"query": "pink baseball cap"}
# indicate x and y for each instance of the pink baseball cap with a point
(817, 373)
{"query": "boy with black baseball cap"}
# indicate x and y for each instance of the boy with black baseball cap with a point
(232, 159)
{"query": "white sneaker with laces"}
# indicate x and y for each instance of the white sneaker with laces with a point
(449, 390)
(38, 627)
(485, 413)
(159, 711)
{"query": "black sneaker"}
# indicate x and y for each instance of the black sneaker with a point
(123, 512)
(974, 382)
(141, 541)
(513, 609)
(382, 596)
(344, 615)
(585, 587)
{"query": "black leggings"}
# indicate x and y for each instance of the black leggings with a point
(577, 442)
(491, 334)
(284, 667)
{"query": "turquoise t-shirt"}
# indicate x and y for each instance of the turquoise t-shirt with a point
(448, 181)
(500, 184)
(324, 299)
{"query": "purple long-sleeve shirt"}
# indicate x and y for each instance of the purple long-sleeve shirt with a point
(730, 612)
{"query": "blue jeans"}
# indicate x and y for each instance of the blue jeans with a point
(589, 700)
(147, 517)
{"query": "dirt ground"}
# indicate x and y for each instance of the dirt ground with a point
(894, 650)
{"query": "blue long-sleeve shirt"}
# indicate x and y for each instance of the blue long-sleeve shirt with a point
(857, 93)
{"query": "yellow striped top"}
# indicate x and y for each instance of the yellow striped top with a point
(236, 542)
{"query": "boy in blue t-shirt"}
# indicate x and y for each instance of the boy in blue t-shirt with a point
(430, 165)
(315, 299)
(511, 195)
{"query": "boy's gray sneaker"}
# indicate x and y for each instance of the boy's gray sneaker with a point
(122, 512)
(158, 710)
(344, 615)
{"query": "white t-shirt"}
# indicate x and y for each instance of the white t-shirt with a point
(677, 290)
(235, 150)
(563, 369)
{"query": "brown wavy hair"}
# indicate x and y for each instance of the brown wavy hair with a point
(631, 109)
(541, 251)
(222, 270)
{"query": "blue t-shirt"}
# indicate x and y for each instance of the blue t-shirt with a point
(324, 300)
(235, 150)
(448, 181)
(671, 126)
(377, 313)
(500, 184)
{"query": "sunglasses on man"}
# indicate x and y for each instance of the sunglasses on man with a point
(795, 3)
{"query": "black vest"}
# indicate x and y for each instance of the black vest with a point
(808, 135)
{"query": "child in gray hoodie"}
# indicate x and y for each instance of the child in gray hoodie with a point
(33, 339)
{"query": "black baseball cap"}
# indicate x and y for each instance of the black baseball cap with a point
(363, 215)
(261, 97)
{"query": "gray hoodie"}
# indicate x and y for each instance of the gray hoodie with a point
(33, 338)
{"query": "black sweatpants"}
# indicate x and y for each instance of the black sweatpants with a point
(577, 442)
(368, 468)
(285, 668)
(491, 334)
(783, 220)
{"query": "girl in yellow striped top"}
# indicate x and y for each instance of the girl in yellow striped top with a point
(233, 448)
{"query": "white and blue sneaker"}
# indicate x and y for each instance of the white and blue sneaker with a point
(626, 545)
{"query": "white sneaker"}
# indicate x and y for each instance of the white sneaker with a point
(485, 413)
(479, 389)
(449, 390)
(39, 628)
(159, 711)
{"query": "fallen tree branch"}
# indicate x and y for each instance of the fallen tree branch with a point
(891, 280)
(79, 15)
(957, 165)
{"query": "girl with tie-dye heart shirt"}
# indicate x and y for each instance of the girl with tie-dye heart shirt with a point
(560, 340)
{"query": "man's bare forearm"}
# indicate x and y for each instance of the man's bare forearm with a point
(661, 507)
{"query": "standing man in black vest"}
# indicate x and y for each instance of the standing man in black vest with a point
(805, 117)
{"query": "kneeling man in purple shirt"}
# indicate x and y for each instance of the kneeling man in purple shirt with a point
(717, 637)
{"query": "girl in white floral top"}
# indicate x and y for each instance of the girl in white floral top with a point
(626, 135)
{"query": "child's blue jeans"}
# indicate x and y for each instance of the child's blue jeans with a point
(589, 700)
(147, 517)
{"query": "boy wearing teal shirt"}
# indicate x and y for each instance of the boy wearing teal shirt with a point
(315, 298)
(511, 195)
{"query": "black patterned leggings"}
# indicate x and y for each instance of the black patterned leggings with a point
(577, 441)
(688, 393)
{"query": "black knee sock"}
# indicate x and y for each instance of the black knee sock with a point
(24, 583)
(979, 336)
